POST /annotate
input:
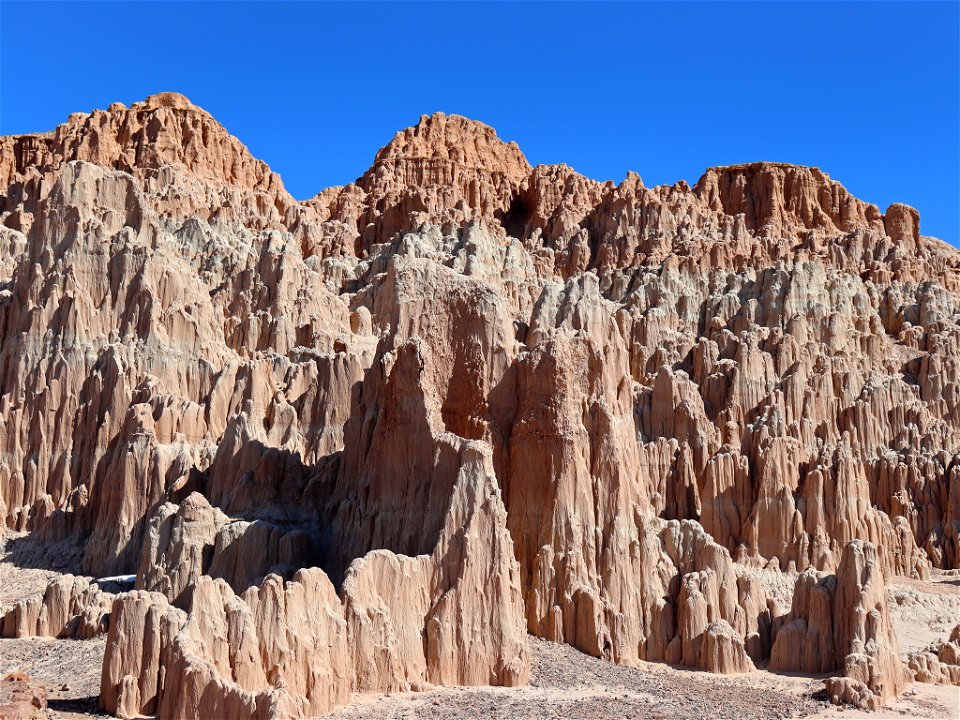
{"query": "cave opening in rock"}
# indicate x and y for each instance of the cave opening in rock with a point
(514, 220)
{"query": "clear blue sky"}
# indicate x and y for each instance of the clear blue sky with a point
(866, 91)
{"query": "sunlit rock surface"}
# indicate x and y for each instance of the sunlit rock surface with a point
(370, 440)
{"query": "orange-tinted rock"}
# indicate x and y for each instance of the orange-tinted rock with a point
(22, 698)
(445, 169)
(779, 199)
(939, 663)
(70, 607)
(842, 623)
(475, 397)
(902, 224)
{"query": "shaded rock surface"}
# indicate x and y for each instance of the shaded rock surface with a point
(462, 399)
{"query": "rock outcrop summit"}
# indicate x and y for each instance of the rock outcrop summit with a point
(371, 440)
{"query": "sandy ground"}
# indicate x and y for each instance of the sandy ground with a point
(565, 683)
(568, 684)
(27, 566)
(924, 612)
(69, 668)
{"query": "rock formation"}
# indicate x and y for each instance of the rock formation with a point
(22, 698)
(939, 663)
(69, 607)
(842, 622)
(296, 649)
(460, 400)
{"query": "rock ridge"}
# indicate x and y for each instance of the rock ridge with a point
(461, 400)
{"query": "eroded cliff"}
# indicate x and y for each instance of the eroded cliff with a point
(389, 430)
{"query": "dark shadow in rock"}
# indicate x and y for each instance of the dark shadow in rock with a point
(81, 706)
(515, 219)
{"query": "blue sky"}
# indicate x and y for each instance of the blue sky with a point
(866, 91)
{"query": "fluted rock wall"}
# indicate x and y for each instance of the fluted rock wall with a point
(296, 649)
(69, 607)
(841, 622)
(594, 411)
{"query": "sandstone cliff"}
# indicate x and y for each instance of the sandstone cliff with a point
(842, 623)
(460, 400)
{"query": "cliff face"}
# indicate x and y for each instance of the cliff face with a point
(459, 400)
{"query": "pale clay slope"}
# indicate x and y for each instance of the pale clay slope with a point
(458, 401)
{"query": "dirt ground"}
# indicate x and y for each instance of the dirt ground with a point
(569, 684)
(565, 683)
(70, 669)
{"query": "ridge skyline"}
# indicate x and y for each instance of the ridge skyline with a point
(871, 97)
(178, 100)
